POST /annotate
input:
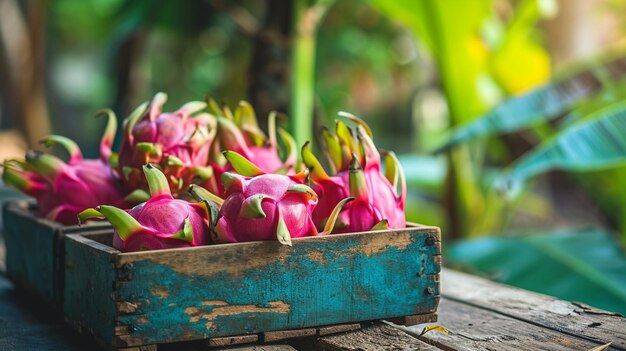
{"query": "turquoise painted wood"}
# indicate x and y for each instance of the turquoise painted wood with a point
(143, 298)
(35, 251)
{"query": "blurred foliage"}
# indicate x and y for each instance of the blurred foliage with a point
(365, 64)
(589, 107)
(578, 265)
(482, 57)
(188, 49)
(590, 112)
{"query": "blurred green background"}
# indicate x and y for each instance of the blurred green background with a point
(526, 95)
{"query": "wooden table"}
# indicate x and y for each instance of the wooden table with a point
(479, 314)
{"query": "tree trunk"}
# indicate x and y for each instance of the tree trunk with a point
(268, 73)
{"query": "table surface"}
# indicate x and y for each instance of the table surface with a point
(479, 315)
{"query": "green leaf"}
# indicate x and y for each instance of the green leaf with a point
(201, 194)
(331, 221)
(157, 182)
(241, 164)
(595, 144)
(252, 207)
(579, 265)
(282, 232)
(542, 104)
(68, 144)
(185, 234)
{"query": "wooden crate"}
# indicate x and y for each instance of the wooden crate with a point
(35, 251)
(163, 296)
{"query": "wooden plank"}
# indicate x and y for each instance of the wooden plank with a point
(232, 340)
(567, 317)
(35, 251)
(414, 320)
(229, 289)
(473, 328)
(134, 348)
(261, 348)
(31, 245)
(89, 278)
(279, 335)
(373, 338)
(273, 336)
(339, 328)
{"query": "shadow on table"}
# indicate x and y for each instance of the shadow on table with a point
(26, 324)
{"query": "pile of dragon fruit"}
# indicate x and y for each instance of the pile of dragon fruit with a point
(206, 174)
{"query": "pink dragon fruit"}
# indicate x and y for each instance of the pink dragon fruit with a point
(178, 142)
(378, 204)
(62, 190)
(239, 132)
(160, 223)
(261, 206)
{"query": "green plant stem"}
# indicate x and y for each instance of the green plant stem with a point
(306, 20)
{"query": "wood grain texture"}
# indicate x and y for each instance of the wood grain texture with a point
(89, 280)
(232, 340)
(35, 251)
(471, 328)
(339, 328)
(568, 317)
(414, 320)
(279, 335)
(377, 337)
(31, 250)
(249, 288)
(261, 348)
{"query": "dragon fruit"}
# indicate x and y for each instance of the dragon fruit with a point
(240, 132)
(160, 223)
(61, 189)
(177, 142)
(263, 206)
(378, 203)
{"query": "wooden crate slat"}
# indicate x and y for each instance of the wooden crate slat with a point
(251, 291)
(259, 348)
(35, 252)
(550, 312)
(472, 328)
(31, 245)
(373, 338)
(232, 340)
(248, 288)
(88, 304)
(414, 320)
(339, 328)
(279, 335)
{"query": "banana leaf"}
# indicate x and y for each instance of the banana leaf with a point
(425, 177)
(580, 265)
(542, 104)
(596, 143)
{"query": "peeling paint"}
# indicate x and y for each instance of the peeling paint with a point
(376, 244)
(196, 314)
(316, 256)
(255, 287)
(160, 292)
(142, 320)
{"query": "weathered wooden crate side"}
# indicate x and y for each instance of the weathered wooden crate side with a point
(35, 252)
(233, 289)
(89, 284)
(31, 245)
